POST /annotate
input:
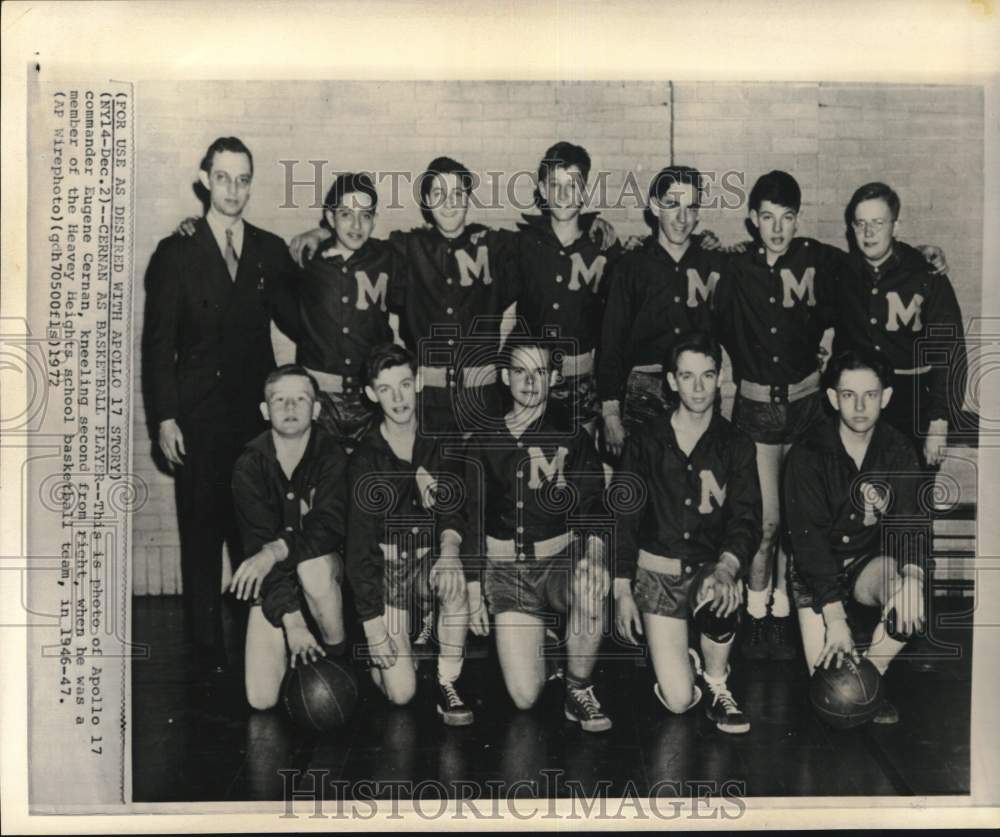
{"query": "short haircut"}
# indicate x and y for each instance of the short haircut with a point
(523, 341)
(869, 192)
(290, 370)
(562, 155)
(234, 144)
(442, 165)
(778, 187)
(387, 356)
(858, 357)
(347, 183)
(700, 342)
(660, 185)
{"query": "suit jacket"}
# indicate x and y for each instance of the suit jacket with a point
(206, 339)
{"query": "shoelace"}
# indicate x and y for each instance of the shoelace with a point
(758, 634)
(720, 694)
(588, 700)
(454, 701)
(779, 631)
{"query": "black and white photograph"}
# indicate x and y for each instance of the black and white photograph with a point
(581, 446)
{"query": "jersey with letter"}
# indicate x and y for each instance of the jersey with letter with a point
(563, 288)
(837, 512)
(344, 306)
(652, 299)
(533, 487)
(771, 318)
(692, 508)
(899, 306)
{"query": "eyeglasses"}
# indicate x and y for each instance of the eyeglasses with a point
(875, 226)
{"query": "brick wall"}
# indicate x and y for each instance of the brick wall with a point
(926, 142)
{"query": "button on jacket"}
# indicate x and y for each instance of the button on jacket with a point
(531, 488)
(456, 289)
(651, 300)
(771, 318)
(691, 508)
(307, 511)
(837, 512)
(398, 504)
(343, 306)
(562, 288)
(899, 305)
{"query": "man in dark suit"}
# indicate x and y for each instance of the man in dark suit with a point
(206, 352)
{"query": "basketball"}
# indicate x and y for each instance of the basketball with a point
(706, 621)
(320, 696)
(846, 697)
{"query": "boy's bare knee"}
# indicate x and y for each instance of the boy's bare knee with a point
(262, 699)
(524, 696)
(678, 701)
(400, 695)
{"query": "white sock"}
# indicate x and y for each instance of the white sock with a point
(716, 681)
(757, 603)
(780, 606)
(449, 668)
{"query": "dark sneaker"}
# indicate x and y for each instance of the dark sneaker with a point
(886, 714)
(451, 707)
(723, 711)
(583, 707)
(779, 643)
(754, 645)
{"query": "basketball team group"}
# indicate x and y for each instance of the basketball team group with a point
(518, 433)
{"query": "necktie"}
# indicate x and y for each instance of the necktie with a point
(232, 260)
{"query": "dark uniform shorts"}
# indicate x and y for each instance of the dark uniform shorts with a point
(668, 594)
(781, 423)
(407, 582)
(538, 587)
(850, 570)
(346, 416)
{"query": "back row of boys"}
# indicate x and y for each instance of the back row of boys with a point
(632, 310)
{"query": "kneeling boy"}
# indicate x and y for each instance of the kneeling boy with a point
(398, 560)
(851, 494)
(685, 547)
(288, 490)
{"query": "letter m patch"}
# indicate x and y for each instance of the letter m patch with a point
(710, 490)
(900, 315)
(548, 469)
(371, 293)
(469, 270)
(804, 290)
(591, 276)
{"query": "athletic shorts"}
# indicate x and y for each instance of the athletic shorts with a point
(847, 577)
(533, 587)
(407, 581)
(573, 402)
(667, 594)
(644, 399)
(345, 416)
(781, 423)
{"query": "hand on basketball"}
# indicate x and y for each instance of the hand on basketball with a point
(302, 645)
(603, 234)
(906, 607)
(935, 257)
(838, 643)
(614, 434)
(251, 574)
(381, 648)
(724, 590)
(172, 442)
(304, 245)
(186, 227)
(479, 621)
(627, 617)
(447, 577)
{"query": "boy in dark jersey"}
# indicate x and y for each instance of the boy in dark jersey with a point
(857, 533)
(460, 282)
(687, 545)
(891, 300)
(771, 309)
(562, 278)
(535, 492)
(657, 292)
(290, 497)
(399, 557)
